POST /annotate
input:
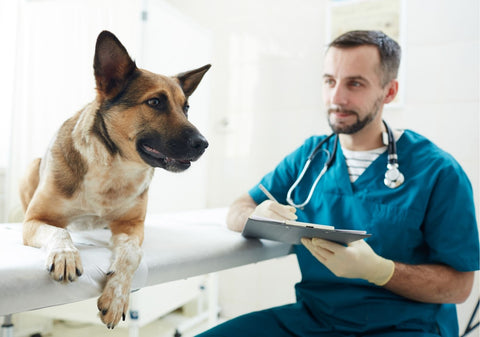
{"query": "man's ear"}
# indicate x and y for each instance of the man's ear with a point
(112, 65)
(189, 80)
(392, 90)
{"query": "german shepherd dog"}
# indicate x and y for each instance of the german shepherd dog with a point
(99, 166)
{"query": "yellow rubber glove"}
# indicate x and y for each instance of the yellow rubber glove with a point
(357, 260)
(273, 210)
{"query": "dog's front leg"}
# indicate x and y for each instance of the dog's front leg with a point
(63, 259)
(127, 254)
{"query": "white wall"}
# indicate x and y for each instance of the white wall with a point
(265, 98)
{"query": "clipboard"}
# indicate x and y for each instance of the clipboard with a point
(292, 231)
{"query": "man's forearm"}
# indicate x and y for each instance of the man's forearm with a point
(430, 283)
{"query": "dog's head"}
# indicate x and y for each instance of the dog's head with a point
(143, 116)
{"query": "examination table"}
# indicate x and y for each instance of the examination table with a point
(176, 246)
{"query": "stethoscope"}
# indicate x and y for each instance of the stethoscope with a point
(393, 177)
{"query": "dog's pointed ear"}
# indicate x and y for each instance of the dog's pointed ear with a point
(112, 65)
(189, 80)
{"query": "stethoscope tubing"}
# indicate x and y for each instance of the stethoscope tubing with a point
(328, 163)
(392, 164)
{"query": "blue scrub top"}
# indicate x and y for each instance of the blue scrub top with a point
(429, 219)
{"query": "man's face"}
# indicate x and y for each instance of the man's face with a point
(352, 89)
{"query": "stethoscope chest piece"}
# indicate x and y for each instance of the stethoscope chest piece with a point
(393, 177)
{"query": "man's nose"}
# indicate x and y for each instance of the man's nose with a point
(338, 96)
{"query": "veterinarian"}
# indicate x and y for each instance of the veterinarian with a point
(414, 199)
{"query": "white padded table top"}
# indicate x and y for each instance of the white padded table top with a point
(176, 246)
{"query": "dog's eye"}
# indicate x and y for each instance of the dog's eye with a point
(159, 103)
(185, 108)
(153, 102)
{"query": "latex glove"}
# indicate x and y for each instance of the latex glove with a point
(357, 260)
(274, 210)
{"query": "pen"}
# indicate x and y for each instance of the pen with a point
(267, 193)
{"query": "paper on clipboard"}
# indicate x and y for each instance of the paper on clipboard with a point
(292, 231)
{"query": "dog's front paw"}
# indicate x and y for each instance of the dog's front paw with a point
(113, 303)
(64, 264)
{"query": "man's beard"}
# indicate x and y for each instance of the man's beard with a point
(359, 124)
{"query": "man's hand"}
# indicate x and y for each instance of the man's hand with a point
(273, 210)
(357, 260)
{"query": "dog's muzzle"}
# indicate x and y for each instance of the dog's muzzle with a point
(173, 154)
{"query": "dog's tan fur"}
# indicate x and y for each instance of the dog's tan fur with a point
(100, 164)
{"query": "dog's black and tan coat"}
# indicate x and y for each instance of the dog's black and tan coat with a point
(100, 164)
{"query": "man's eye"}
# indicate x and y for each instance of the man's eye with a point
(329, 82)
(355, 84)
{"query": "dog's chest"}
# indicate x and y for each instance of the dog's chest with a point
(110, 190)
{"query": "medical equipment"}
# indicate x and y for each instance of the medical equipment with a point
(329, 161)
(393, 177)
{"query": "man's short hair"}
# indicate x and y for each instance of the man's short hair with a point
(389, 50)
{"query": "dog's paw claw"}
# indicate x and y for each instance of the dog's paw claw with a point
(113, 303)
(64, 264)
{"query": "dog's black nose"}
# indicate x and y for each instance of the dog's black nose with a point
(198, 142)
